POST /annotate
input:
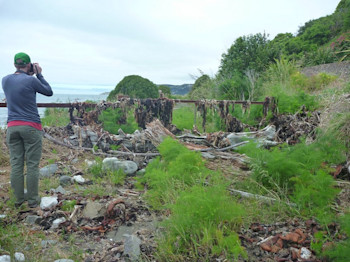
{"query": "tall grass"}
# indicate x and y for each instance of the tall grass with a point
(55, 117)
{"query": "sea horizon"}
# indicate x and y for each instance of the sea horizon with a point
(55, 98)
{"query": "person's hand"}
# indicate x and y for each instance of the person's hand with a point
(37, 68)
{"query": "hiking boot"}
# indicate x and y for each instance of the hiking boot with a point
(18, 205)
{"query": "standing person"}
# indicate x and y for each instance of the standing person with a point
(24, 130)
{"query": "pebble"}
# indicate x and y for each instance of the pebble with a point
(46, 243)
(65, 180)
(57, 222)
(79, 179)
(132, 247)
(305, 253)
(31, 219)
(49, 170)
(5, 258)
(19, 257)
(48, 202)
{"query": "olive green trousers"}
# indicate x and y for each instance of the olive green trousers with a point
(25, 144)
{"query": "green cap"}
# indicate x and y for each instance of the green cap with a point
(22, 59)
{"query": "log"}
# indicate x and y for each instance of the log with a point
(156, 132)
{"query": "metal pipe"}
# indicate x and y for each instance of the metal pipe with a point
(67, 105)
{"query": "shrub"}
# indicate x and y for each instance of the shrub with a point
(205, 218)
(178, 169)
(290, 100)
(279, 165)
(314, 193)
(135, 87)
(55, 117)
(341, 251)
(115, 119)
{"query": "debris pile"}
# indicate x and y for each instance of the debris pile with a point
(286, 241)
(290, 128)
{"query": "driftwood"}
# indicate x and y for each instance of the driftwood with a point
(269, 200)
(156, 132)
(112, 152)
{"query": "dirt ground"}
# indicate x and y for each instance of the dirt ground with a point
(280, 241)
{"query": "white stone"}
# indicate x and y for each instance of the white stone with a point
(19, 257)
(90, 163)
(305, 253)
(48, 202)
(5, 258)
(79, 179)
(57, 222)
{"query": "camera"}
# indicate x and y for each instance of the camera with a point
(33, 69)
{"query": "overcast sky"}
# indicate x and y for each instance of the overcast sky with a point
(86, 42)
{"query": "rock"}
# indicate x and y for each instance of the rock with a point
(73, 137)
(2, 216)
(48, 171)
(31, 219)
(92, 135)
(94, 210)
(141, 172)
(83, 134)
(129, 167)
(113, 164)
(108, 162)
(57, 222)
(19, 257)
(79, 179)
(65, 180)
(305, 254)
(74, 160)
(48, 202)
(132, 247)
(46, 243)
(60, 190)
(90, 163)
(5, 258)
(104, 146)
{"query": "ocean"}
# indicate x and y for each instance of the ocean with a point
(56, 98)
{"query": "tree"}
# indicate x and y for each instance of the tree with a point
(135, 86)
(248, 52)
(202, 88)
(165, 90)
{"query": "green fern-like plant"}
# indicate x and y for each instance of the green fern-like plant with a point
(177, 169)
(205, 217)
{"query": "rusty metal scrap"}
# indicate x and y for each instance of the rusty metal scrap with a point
(146, 110)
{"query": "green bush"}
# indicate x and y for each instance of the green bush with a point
(291, 100)
(134, 86)
(341, 251)
(204, 218)
(115, 119)
(203, 214)
(55, 117)
(314, 193)
(276, 167)
(177, 169)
